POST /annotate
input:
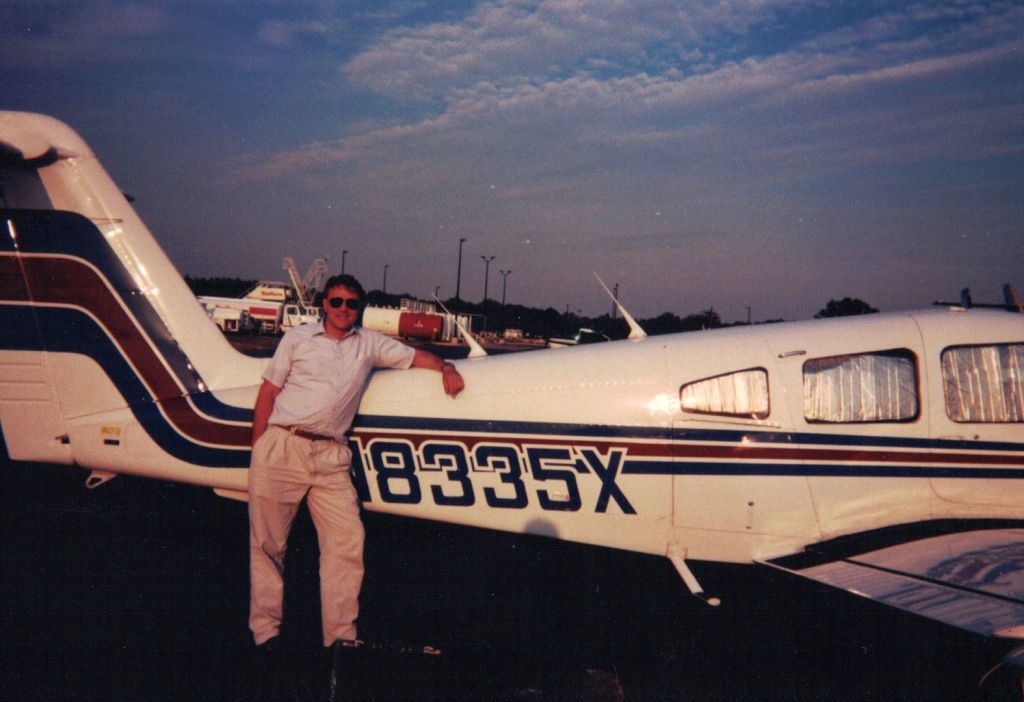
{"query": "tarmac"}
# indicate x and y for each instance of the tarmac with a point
(138, 590)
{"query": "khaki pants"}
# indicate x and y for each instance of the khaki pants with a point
(284, 469)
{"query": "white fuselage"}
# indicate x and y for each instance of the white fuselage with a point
(735, 445)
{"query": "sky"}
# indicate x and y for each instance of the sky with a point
(732, 154)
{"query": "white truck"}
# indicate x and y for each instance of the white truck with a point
(264, 316)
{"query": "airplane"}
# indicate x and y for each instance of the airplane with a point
(882, 454)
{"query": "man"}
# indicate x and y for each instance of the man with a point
(304, 408)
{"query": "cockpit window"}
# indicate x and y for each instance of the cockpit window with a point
(984, 383)
(740, 394)
(867, 387)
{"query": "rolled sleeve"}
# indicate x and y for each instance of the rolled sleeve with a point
(389, 353)
(280, 364)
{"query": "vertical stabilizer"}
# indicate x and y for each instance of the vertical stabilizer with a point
(102, 339)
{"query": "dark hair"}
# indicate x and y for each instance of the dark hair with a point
(346, 281)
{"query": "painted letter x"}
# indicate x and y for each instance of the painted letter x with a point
(607, 474)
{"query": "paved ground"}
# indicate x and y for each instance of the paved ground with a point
(138, 591)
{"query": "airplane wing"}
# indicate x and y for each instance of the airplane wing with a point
(972, 580)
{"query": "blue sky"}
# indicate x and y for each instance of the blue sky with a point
(771, 154)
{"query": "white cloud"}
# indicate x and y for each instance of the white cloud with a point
(792, 103)
(510, 41)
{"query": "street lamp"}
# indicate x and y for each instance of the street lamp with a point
(458, 276)
(487, 272)
(385, 288)
(344, 253)
(504, 281)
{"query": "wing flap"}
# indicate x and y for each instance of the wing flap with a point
(971, 580)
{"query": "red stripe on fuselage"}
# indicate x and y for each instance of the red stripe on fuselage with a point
(734, 452)
(470, 441)
(12, 282)
(858, 455)
(64, 281)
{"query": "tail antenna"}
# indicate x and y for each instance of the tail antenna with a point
(475, 349)
(1013, 302)
(965, 299)
(636, 332)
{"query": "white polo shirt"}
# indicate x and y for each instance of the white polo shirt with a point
(322, 380)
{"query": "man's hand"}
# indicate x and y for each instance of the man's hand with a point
(268, 392)
(450, 376)
(452, 379)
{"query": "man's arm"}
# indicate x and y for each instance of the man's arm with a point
(450, 376)
(268, 392)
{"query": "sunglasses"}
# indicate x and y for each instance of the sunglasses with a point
(336, 302)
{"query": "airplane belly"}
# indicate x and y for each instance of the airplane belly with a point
(847, 504)
(1005, 496)
(982, 474)
(717, 487)
(743, 503)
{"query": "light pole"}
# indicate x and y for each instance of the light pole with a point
(615, 299)
(385, 288)
(487, 272)
(344, 253)
(504, 282)
(458, 275)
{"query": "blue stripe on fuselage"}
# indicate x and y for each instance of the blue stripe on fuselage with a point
(823, 470)
(730, 436)
(70, 234)
(69, 330)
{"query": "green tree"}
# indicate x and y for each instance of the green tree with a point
(846, 307)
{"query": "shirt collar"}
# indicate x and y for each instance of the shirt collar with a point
(319, 330)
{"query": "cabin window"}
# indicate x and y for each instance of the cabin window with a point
(740, 394)
(866, 387)
(984, 383)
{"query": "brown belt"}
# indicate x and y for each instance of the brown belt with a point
(308, 434)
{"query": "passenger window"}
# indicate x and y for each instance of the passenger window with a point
(984, 383)
(867, 387)
(740, 394)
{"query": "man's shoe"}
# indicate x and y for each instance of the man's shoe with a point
(267, 668)
(339, 658)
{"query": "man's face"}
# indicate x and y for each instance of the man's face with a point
(343, 316)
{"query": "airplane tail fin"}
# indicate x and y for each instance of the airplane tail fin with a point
(100, 337)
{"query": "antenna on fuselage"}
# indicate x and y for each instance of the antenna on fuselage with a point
(965, 299)
(475, 349)
(1013, 302)
(636, 332)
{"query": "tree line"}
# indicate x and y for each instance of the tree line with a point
(548, 322)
